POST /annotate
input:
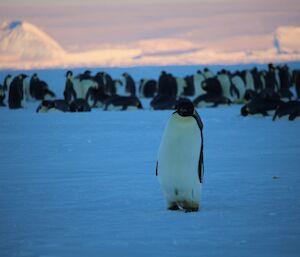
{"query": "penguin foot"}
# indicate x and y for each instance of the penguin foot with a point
(190, 206)
(173, 207)
(191, 210)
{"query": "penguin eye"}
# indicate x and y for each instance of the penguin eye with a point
(182, 109)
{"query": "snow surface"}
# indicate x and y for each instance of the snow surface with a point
(84, 184)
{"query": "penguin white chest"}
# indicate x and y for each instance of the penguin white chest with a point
(179, 158)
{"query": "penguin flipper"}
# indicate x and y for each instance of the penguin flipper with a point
(198, 119)
(156, 170)
(201, 166)
(201, 157)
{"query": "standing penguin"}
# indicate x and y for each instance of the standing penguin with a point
(7, 81)
(129, 84)
(180, 166)
(16, 93)
(2, 96)
(69, 92)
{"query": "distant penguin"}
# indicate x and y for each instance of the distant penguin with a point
(260, 105)
(16, 93)
(79, 105)
(249, 80)
(33, 85)
(7, 81)
(180, 159)
(109, 84)
(225, 82)
(181, 85)
(270, 78)
(166, 94)
(189, 89)
(213, 96)
(148, 88)
(122, 103)
(297, 82)
(53, 105)
(207, 73)
(257, 79)
(98, 94)
(79, 86)
(240, 88)
(129, 84)
(198, 79)
(37, 89)
(2, 96)
(69, 92)
(290, 108)
(85, 75)
(285, 82)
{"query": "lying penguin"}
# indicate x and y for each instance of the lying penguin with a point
(290, 108)
(122, 103)
(78, 105)
(53, 105)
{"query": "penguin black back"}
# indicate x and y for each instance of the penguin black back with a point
(185, 108)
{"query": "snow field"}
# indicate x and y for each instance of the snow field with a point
(83, 184)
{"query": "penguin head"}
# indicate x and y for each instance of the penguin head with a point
(34, 76)
(22, 76)
(185, 107)
(98, 75)
(244, 111)
(87, 72)
(271, 67)
(69, 74)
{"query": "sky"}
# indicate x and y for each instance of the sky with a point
(143, 32)
(223, 24)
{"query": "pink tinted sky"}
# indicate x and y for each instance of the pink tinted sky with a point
(224, 24)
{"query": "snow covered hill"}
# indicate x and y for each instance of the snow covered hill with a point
(27, 42)
(288, 40)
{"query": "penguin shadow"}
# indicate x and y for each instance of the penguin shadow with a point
(178, 208)
(184, 206)
(179, 211)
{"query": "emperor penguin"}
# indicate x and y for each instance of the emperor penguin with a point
(180, 166)
(16, 92)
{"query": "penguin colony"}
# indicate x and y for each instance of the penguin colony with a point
(275, 91)
(180, 161)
